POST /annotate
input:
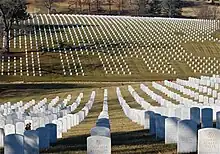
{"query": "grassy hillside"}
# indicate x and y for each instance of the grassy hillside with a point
(71, 48)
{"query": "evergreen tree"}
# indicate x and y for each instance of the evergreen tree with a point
(155, 7)
(171, 8)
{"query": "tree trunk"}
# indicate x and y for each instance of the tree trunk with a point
(89, 7)
(119, 7)
(110, 6)
(6, 41)
(80, 6)
(97, 6)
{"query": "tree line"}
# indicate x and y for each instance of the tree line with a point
(166, 8)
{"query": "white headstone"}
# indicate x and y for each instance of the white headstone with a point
(207, 118)
(44, 137)
(187, 136)
(20, 127)
(52, 128)
(100, 131)
(218, 120)
(71, 119)
(64, 125)
(171, 130)
(59, 127)
(14, 144)
(2, 135)
(160, 127)
(152, 124)
(195, 114)
(98, 145)
(208, 141)
(147, 119)
(2, 123)
(35, 123)
(68, 122)
(31, 142)
(9, 129)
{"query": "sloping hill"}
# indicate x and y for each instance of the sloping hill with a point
(110, 48)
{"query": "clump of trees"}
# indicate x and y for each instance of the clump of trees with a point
(11, 13)
(169, 8)
(49, 4)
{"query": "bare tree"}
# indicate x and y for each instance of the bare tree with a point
(97, 4)
(110, 3)
(73, 6)
(134, 6)
(207, 12)
(48, 4)
(80, 5)
(88, 3)
(11, 12)
(215, 12)
(120, 6)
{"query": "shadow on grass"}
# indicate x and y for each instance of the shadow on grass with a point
(78, 143)
(43, 86)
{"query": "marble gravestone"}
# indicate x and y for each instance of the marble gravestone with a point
(100, 131)
(20, 128)
(59, 128)
(207, 118)
(14, 144)
(35, 122)
(152, 124)
(160, 126)
(98, 145)
(147, 119)
(208, 141)
(2, 135)
(68, 122)
(187, 136)
(71, 119)
(2, 123)
(195, 114)
(64, 124)
(31, 142)
(103, 122)
(44, 137)
(52, 129)
(9, 129)
(171, 130)
(218, 120)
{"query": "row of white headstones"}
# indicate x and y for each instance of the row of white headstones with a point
(46, 124)
(152, 39)
(176, 123)
(183, 119)
(100, 139)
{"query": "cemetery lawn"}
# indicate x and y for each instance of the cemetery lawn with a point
(126, 136)
(94, 72)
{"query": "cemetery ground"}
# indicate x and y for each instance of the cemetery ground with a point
(74, 54)
(126, 136)
(52, 70)
(59, 48)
